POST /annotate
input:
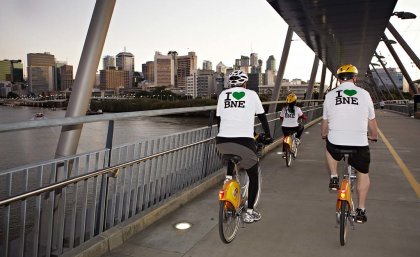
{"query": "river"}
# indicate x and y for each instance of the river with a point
(19, 148)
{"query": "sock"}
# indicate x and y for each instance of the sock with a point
(334, 176)
(249, 211)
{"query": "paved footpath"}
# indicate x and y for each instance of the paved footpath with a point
(298, 211)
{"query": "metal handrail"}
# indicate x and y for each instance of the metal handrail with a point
(76, 179)
(33, 124)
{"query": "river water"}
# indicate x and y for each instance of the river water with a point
(19, 148)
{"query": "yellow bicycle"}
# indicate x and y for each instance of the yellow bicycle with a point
(345, 210)
(233, 200)
(290, 147)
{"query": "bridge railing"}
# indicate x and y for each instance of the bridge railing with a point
(400, 106)
(51, 207)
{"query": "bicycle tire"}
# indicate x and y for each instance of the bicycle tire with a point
(288, 157)
(344, 211)
(228, 222)
(296, 150)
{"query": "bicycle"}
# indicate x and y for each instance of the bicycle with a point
(345, 210)
(290, 147)
(233, 200)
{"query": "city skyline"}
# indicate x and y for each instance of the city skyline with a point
(257, 28)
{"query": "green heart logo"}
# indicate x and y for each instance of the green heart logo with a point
(350, 92)
(238, 95)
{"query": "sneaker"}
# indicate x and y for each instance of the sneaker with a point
(227, 179)
(334, 183)
(297, 141)
(256, 215)
(361, 216)
(251, 216)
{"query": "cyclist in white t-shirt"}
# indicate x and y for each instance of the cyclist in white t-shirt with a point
(236, 109)
(290, 116)
(348, 116)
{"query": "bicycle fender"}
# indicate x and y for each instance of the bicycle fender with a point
(344, 194)
(231, 192)
(288, 141)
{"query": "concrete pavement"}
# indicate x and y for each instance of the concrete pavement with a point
(298, 211)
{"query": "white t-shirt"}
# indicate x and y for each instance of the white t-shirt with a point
(290, 119)
(236, 108)
(348, 109)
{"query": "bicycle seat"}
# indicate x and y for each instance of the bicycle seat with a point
(232, 157)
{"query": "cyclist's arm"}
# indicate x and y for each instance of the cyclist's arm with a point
(218, 122)
(263, 118)
(324, 128)
(373, 130)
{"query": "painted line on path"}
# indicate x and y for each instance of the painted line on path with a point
(405, 170)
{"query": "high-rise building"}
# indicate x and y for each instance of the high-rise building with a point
(11, 70)
(254, 81)
(148, 70)
(253, 59)
(396, 76)
(185, 65)
(112, 79)
(271, 63)
(221, 68)
(109, 62)
(5, 70)
(207, 65)
(41, 72)
(164, 74)
(64, 77)
(125, 62)
(17, 71)
(245, 64)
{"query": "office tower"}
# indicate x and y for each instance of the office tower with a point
(64, 76)
(396, 76)
(11, 70)
(191, 89)
(125, 62)
(271, 63)
(221, 68)
(185, 65)
(164, 74)
(254, 81)
(207, 65)
(108, 62)
(254, 59)
(112, 79)
(41, 72)
(237, 65)
(5, 70)
(148, 70)
(244, 64)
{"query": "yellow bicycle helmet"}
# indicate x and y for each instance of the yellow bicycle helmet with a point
(347, 72)
(291, 98)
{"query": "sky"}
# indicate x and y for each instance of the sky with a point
(218, 30)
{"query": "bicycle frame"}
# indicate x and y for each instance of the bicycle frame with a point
(345, 190)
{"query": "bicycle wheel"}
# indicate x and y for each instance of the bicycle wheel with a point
(288, 157)
(257, 197)
(343, 221)
(228, 222)
(295, 149)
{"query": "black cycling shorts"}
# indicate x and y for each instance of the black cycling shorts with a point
(359, 160)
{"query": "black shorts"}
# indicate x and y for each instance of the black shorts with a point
(359, 160)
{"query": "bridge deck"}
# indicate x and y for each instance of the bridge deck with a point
(299, 212)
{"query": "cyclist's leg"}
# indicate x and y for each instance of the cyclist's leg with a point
(300, 129)
(253, 185)
(332, 159)
(360, 162)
